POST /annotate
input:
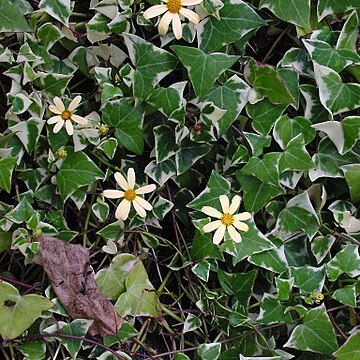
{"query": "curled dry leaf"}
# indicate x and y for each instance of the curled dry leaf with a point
(68, 268)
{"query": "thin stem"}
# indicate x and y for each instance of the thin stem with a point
(17, 282)
(275, 44)
(87, 219)
(337, 327)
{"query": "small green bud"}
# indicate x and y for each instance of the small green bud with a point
(103, 129)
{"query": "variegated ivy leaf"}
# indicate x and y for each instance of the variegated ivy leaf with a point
(231, 96)
(191, 323)
(328, 7)
(343, 134)
(109, 147)
(352, 176)
(161, 172)
(335, 95)
(345, 261)
(203, 69)
(298, 215)
(58, 9)
(349, 33)
(284, 287)
(346, 295)
(127, 119)
(298, 59)
(294, 11)
(236, 19)
(6, 55)
(101, 210)
(324, 54)
(272, 311)
(308, 278)
(328, 161)
(48, 34)
(213, 7)
(209, 351)
(11, 18)
(161, 207)
(29, 132)
(165, 143)
(109, 8)
(266, 82)
(291, 79)
(54, 84)
(6, 169)
(321, 245)
(151, 63)
(315, 334)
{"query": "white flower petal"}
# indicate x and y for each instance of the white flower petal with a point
(58, 126)
(242, 216)
(176, 26)
(208, 210)
(131, 178)
(54, 119)
(190, 2)
(225, 203)
(74, 103)
(121, 181)
(193, 17)
(164, 23)
(139, 209)
(235, 203)
(54, 109)
(58, 103)
(153, 11)
(122, 211)
(219, 234)
(113, 194)
(240, 225)
(69, 127)
(145, 189)
(234, 234)
(143, 203)
(79, 119)
(211, 226)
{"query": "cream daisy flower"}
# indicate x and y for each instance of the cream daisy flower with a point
(172, 10)
(130, 195)
(228, 220)
(65, 115)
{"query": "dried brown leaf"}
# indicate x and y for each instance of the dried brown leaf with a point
(69, 270)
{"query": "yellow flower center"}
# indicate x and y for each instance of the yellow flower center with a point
(66, 114)
(227, 219)
(130, 194)
(174, 6)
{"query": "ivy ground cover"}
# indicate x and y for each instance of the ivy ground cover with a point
(179, 179)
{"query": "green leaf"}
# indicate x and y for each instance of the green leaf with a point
(112, 231)
(216, 186)
(203, 69)
(191, 323)
(58, 9)
(345, 261)
(335, 95)
(231, 96)
(76, 171)
(209, 351)
(48, 34)
(161, 172)
(109, 147)
(352, 176)
(151, 63)
(11, 19)
(33, 350)
(235, 20)
(202, 270)
(349, 33)
(284, 287)
(189, 153)
(5, 241)
(273, 260)
(111, 280)
(351, 349)
(343, 134)
(239, 285)
(256, 192)
(308, 278)
(165, 143)
(139, 298)
(6, 169)
(295, 12)
(266, 81)
(298, 215)
(328, 7)
(18, 312)
(78, 328)
(328, 161)
(295, 157)
(264, 115)
(272, 311)
(203, 247)
(287, 129)
(315, 334)
(127, 118)
(22, 212)
(346, 295)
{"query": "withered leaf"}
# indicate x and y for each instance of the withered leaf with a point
(68, 268)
